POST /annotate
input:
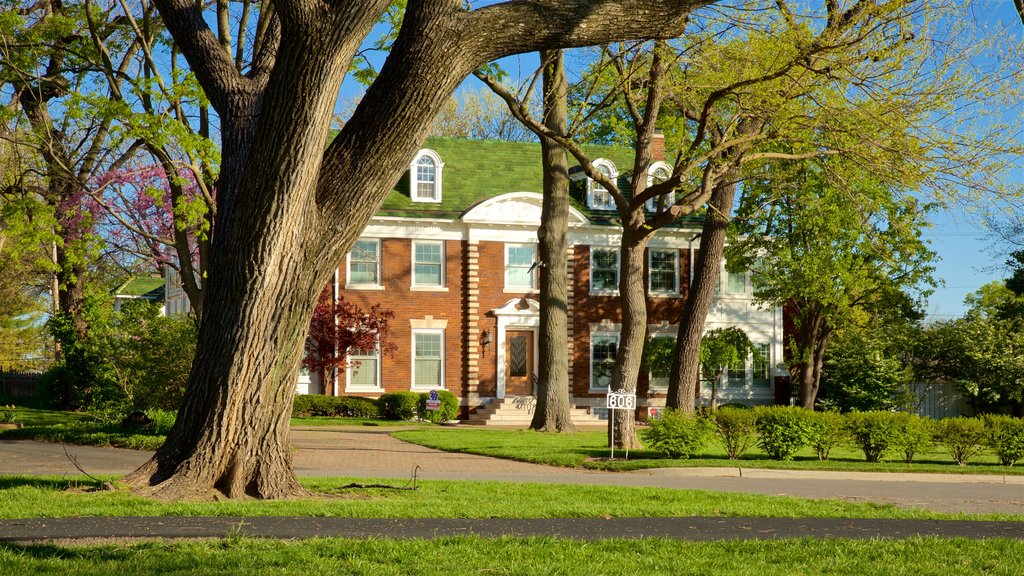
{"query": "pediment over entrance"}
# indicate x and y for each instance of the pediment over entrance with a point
(515, 208)
(518, 307)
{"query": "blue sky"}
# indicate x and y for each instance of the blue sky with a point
(968, 255)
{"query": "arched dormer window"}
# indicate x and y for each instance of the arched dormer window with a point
(598, 197)
(657, 173)
(425, 177)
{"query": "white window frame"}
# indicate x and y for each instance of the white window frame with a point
(595, 190)
(533, 272)
(416, 284)
(728, 282)
(348, 267)
(593, 336)
(767, 348)
(439, 332)
(414, 192)
(618, 265)
(675, 272)
(650, 375)
(349, 369)
(670, 198)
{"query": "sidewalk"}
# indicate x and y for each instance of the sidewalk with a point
(692, 529)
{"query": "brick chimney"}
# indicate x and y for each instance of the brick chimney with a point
(658, 146)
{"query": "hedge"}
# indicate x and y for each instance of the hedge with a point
(335, 406)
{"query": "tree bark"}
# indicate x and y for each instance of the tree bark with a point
(633, 299)
(812, 339)
(685, 371)
(552, 411)
(288, 211)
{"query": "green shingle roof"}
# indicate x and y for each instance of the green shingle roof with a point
(146, 288)
(475, 170)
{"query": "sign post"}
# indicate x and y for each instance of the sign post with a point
(433, 402)
(620, 400)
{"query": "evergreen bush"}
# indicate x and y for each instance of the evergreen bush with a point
(737, 429)
(783, 430)
(677, 434)
(964, 438)
(399, 405)
(448, 411)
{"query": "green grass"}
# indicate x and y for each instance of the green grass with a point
(87, 430)
(51, 497)
(589, 450)
(524, 556)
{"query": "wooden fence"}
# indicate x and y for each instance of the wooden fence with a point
(18, 384)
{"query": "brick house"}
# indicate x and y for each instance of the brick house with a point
(452, 253)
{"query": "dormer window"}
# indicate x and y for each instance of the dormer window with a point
(599, 198)
(656, 174)
(425, 177)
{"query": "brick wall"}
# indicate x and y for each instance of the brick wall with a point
(408, 304)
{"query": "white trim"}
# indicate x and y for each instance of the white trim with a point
(513, 315)
(414, 177)
(349, 387)
(516, 208)
(378, 285)
(670, 198)
(533, 273)
(592, 185)
(675, 272)
(601, 333)
(442, 264)
(431, 331)
(618, 271)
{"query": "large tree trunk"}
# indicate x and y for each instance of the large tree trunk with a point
(552, 411)
(685, 371)
(633, 299)
(812, 339)
(296, 210)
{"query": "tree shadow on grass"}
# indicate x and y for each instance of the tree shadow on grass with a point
(71, 553)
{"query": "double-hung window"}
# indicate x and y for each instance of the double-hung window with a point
(737, 283)
(425, 177)
(364, 263)
(364, 368)
(663, 270)
(736, 373)
(604, 269)
(520, 268)
(428, 264)
(428, 359)
(603, 348)
(600, 198)
(762, 365)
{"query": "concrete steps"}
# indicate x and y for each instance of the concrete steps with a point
(517, 412)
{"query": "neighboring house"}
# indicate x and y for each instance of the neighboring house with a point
(453, 253)
(148, 289)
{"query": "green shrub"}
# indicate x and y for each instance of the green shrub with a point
(783, 430)
(828, 430)
(736, 428)
(162, 421)
(448, 411)
(964, 438)
(873, 432)
(913, 434)
(1006, 437)
(677, 434)
(357, 407)
(399, 405)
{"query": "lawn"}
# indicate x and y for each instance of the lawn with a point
(524, 556)
(51, 497)
(589, 450)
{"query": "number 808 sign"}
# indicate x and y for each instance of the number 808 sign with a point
(621, 401)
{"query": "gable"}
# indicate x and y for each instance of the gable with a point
(515, 208)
